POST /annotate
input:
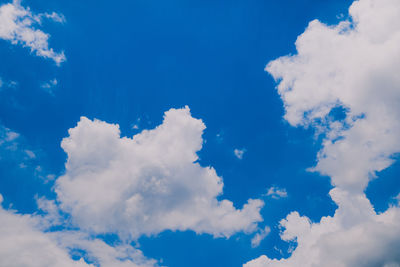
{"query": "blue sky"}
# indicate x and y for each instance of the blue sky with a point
(129, 62)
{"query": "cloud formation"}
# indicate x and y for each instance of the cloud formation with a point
(17, 25)
(344, 82)
(148, 183)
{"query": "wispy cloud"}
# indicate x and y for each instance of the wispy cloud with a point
(49, 86)
(260, 236)
(276, 192)
(17, 25)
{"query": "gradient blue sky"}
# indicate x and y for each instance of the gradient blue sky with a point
(130, 61)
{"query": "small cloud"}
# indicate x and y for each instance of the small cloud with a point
(239, 153)
(220, 137)
(30, 154)
(10, 135)
(276, 192)
(49, 86)
(136, 125)
(260, 236)
(56, 17)
(397, 199)
(12, 84)
(7, 84)
(50, 177)
(22, 165)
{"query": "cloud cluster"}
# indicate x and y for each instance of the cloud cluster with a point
(17, 25)
(148, 183)
(345, 82)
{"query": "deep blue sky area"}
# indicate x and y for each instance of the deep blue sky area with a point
(130, 61)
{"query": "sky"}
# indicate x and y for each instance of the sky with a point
(200, 133)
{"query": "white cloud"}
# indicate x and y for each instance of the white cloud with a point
(397, 198)
(98, 252)
(8, 141)
(148, 183)
(54, 16)
(26, 242)
(14, 150)
(276, 193)
(354, 65)
(49, 86)
(260, 236)
(21, 244)
(30, 153)
(17, 25)
(354, 236)
(239, 153)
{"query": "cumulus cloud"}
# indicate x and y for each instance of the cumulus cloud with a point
(354, 236)
(26, 241)
(17, 25)
(148, 183)
(351, 68)
(21, 244)
(276, 192)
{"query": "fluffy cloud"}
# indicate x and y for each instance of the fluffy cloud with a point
(25, 241)
(350, 68)
(353, 65)
(354, 236)
(22, 244)
(17, 26)
(148, 183)
(101, 254)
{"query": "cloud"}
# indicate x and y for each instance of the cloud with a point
(276, 193)
(102, 254)
(256, 240)
(25, 241)
(354, 236)
(9, 143)
(14, 150)
(148, 183)
(239, 153)
(21, 244)
(49, 86)
(344, 82)
(17, 25)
